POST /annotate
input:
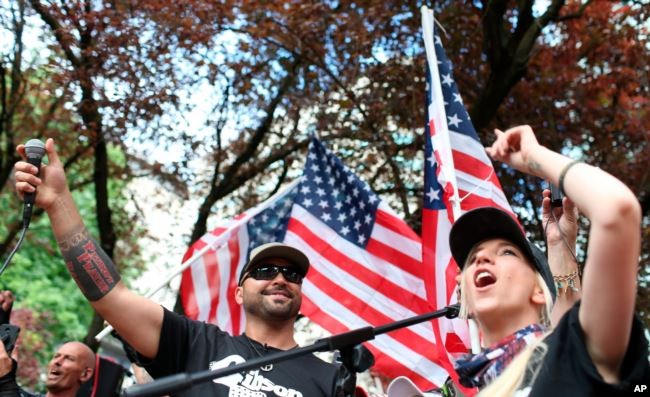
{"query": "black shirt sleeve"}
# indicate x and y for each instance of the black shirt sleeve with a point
(568, 370)
(175, 339)
(8, 386)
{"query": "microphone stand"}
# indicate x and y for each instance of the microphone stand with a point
(174, 383)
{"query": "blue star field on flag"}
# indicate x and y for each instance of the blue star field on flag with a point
(457, 120)
(457, 117)
(330, 192)
(270, 225)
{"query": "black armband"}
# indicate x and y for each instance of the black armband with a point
(89, 265)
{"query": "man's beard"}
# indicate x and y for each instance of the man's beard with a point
(262, 305)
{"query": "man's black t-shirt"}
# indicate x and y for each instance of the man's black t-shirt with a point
(190, 346)
(568, 370)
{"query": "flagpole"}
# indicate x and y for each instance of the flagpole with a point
(446, 166)
(216, 244)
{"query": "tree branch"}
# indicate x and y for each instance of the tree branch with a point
(230, 179)
(576, 14)
(59, 32)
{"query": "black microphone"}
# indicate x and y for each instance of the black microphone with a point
(34, 151)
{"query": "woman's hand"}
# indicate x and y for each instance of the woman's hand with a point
(561, 221)
(514, 147)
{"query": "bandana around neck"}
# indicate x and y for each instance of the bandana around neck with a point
(478, 370)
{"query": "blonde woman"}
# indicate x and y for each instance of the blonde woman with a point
(598, 347)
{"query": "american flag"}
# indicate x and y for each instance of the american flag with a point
(457, 170)
(366, 267)
(215, 260)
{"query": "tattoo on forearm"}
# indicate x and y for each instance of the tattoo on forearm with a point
(90, 267)
(76, 238)
(534, 166)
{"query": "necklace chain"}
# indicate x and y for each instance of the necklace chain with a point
(265, 368)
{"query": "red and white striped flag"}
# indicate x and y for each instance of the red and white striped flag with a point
(366, 267)
(457, 171)
(366, 263)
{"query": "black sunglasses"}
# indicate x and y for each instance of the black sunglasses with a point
(269, 272)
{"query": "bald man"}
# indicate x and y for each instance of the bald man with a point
(72, 365)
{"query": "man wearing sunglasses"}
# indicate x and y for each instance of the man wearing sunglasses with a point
(269, 290)
(166, 343)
